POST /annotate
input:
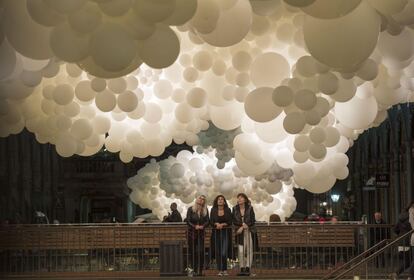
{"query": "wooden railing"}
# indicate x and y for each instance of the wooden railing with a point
(286, 249)
(149, 235)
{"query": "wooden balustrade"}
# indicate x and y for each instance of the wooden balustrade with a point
(286, 249)
(149, 235)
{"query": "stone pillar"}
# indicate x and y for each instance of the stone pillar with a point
(37, 177)
(407, 120)
(47, 197)
(395, 158)
(26, 173)
(3, 178)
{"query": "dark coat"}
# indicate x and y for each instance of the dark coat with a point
(215, 232)
(174, 217)
(249, 220)
(403, 225)
(377, 234)
(194, 219)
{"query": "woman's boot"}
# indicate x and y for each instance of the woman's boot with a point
(247, 271)
(242, 272)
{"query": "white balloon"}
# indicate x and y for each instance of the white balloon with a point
(357, 113)
(294, 122)
(231, 27)
(259, 105)
(269, 69)
(271, 132)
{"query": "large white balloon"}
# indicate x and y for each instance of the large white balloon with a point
(269, 69)
(332, 41)
(232, 25)
(259, 105)
(358, 113)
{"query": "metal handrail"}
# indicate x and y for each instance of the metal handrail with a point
(380, 251)
(362, 255)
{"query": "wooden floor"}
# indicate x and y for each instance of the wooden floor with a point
(135, 275)
(154, 278)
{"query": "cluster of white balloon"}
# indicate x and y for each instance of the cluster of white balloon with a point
(294, 82)
(180, 179)
(106, 38)
(220, 140)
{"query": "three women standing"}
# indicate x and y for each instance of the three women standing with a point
(221, 219)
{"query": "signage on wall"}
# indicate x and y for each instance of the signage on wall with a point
(382, 180)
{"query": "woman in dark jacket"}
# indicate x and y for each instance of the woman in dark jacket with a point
(197, 220)
(221, 247)
(246, 235)
(402, 227)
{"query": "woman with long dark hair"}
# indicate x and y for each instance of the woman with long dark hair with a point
(221, 247)
(197, 220)
(246, 235)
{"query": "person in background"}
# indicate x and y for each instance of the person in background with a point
(274, 218)
(5, 223)
(174, 216)
(197, 220)
(335, 253)
(402, 227)
(411, 220)
(275, 255)
(246, 235)
(334, 220)
(378, 233)
(315, 218)
(221, 246)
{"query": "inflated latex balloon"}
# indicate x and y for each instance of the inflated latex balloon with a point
(294, 122)
(8, 60)
(259, 105)
(388, 7)
(231, 26)
(153, 51)
(69, 45)
(24, 34)
(282, 96)
(399, 47)
(332, 41)
(272, 131)
(299, 3)
(104, 43)
(269, 69)
(305, 99)
(127, 101)
(105, 101)
(328, 9)
(357, 113)
(63, 94)
(197, 97)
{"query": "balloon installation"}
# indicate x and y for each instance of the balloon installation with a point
(271, 94)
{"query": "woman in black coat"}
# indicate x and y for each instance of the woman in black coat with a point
(246, 234)
(221, 243)
(197, 220)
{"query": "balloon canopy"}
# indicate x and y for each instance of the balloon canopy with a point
(271, 94)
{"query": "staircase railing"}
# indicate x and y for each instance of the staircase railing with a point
(379, 254)
(356, 259)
